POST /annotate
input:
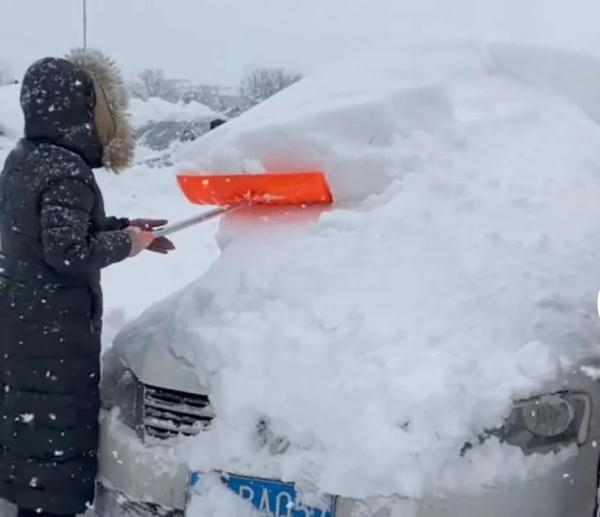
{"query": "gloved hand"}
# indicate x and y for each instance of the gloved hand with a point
(161, 245)
(148, 224)
(140, 239)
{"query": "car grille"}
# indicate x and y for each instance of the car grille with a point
(170, 413)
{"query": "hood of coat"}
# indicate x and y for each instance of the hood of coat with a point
(79, 103)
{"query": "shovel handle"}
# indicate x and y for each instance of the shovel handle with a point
(197, 219)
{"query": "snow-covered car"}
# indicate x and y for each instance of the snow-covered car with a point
(160, 125)
(160, 135)
(427, 347)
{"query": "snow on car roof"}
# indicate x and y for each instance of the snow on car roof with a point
(155, 109)
(458, 273)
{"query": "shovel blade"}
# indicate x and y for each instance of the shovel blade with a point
(279, 189)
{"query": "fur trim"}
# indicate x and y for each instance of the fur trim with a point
(117, 138)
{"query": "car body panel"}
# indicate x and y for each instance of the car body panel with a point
(153, 474)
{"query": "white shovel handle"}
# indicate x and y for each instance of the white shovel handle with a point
(197, 219)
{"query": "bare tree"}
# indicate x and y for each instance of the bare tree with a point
(261, 83)
(208, 95)
(153, 83)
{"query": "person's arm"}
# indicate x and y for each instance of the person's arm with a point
(110, 224)
(69, 246)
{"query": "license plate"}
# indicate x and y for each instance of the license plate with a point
(275, 497)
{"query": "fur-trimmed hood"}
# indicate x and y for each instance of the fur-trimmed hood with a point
(110, 111)
(79, 103)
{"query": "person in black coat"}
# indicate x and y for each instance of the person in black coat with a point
(54, 240)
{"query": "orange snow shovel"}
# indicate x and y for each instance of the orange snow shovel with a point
(234, 191)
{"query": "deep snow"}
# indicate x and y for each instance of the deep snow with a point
(457, 273)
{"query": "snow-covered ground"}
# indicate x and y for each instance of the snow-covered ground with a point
(133, 285)
(457, 273)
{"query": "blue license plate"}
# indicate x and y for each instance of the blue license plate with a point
(274, 497)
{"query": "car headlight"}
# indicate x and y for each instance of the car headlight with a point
(128, 396)
(548, 421)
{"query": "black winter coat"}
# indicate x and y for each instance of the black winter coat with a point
(54, 239)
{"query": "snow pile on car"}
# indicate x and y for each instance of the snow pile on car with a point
(155, 109)
(456, 274)
(161, 125)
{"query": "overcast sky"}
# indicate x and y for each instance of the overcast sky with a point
(216, 40)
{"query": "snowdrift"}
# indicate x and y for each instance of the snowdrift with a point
(155, 109)
(457, 273)
(160, 126)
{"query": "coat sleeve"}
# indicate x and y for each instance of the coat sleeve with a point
(110, 224)
(70, 246)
